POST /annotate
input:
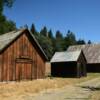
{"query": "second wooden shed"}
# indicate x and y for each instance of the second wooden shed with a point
(92, 55)
(68, 64)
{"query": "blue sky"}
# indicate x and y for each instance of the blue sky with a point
(80, 16)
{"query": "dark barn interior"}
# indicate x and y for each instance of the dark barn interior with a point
(67, 69)
(93, 68)
(64, 69)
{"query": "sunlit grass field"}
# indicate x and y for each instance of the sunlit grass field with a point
(16, 90)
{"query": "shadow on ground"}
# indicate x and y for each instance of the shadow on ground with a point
(91, 88)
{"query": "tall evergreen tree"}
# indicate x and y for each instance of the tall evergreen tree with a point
(4, 3)
(89, 42)
(70, 39)
(81, 41)
(70, 36)
(6, 25)
(9, 26)
(46, 44)
(44, 32)
(33, 29)
(50, 34)
(68, 32)
(59, 41)
(59, 34)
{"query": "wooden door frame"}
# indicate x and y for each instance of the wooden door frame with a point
(23, 60)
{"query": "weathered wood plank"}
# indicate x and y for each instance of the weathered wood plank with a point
(1, 67)
(31, 64)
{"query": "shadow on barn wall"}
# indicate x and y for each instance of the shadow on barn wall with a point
(93, 68)
(66, 69)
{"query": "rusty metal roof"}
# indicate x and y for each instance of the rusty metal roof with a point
(7, 38)
(91, 52)
(66, 56)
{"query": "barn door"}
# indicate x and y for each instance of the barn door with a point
(18, 71)
(23, 70)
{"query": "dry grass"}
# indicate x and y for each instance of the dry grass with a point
(17, 90)
(95, 95)
(48, 68)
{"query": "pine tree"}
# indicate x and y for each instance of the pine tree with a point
(59, 34)
(3, 3)
(44, 32)
(59, 41)
(81, 41)
(89, 42)
(70, 39)
(6, 25)
(50, 34)
(33, 30)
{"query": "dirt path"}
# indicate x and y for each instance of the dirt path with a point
(80, 91)
(67, 93)
(94, 83)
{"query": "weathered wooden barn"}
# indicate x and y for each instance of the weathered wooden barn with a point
(92, 55)
(21, 56)
(68, 64)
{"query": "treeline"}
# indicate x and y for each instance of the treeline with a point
(51, 43)
(48, 41)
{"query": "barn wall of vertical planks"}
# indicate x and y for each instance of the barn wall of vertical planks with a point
(21, 58)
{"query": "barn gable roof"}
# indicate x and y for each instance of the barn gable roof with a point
(66, 56)
(7, 38)
(91, 52)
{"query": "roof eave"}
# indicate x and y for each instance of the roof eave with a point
(62, 61)
(22, 31)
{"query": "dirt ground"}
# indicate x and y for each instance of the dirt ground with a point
(86, 88)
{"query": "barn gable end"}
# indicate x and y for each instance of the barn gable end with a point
(68, 64)
(92, 55)
(91, 52)
(21, 58)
